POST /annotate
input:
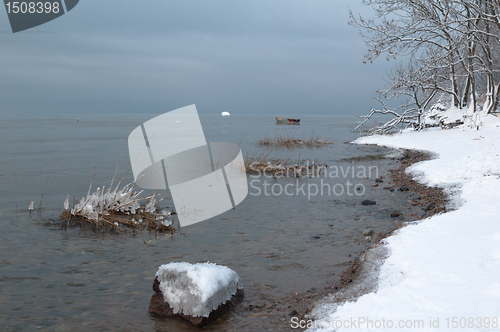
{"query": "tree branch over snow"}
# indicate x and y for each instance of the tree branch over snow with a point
(451, 49)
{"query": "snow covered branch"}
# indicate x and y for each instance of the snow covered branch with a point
(451, 48)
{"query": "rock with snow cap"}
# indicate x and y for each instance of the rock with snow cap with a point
(198, 293)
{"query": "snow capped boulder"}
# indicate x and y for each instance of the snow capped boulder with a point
(196, 292)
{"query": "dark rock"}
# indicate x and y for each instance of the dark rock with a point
(440, 209)
(403, 188)
(158, 307)
(293, 313)
(368, 202)
(429, 207)
(417, 197)
(395, 214)
(379, 180)
(391, 189)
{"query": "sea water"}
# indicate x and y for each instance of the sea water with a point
(67, 279)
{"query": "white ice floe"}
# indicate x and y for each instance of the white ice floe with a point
(197, 289)
(225, 114)
(442, 273)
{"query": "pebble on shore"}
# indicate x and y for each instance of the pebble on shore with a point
(368, 232)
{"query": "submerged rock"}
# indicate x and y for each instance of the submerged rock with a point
(198, 293)
(368, 232)
(395, 214)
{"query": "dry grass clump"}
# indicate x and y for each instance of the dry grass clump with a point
(287, 141)
(262, 164)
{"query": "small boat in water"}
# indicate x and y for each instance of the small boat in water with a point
(287, 121)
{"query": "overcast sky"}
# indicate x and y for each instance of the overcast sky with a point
(241, 56)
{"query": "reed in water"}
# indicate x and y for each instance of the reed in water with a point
(288, 141)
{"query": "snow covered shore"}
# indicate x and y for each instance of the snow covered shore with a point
(442, 273)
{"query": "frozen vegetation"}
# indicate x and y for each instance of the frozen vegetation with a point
(119, 207)
(101, 203)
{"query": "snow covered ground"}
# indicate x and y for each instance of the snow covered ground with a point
(442, 273)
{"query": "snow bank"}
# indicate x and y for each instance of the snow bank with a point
(432, 116)
(448, 265)
(197, 289)
(453, 115)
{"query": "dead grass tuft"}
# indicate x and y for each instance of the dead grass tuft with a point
(287, 141)
(263, 164)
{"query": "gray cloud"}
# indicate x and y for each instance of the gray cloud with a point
(281, 56)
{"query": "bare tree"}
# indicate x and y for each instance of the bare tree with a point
(450, 47)
(409, 84)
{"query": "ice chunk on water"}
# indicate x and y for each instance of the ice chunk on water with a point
(197, 289)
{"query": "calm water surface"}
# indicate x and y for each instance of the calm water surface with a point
(54, 279)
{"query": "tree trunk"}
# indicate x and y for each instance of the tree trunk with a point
(496, 97)
(491, 102)
(454, 85)
(465, 94)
